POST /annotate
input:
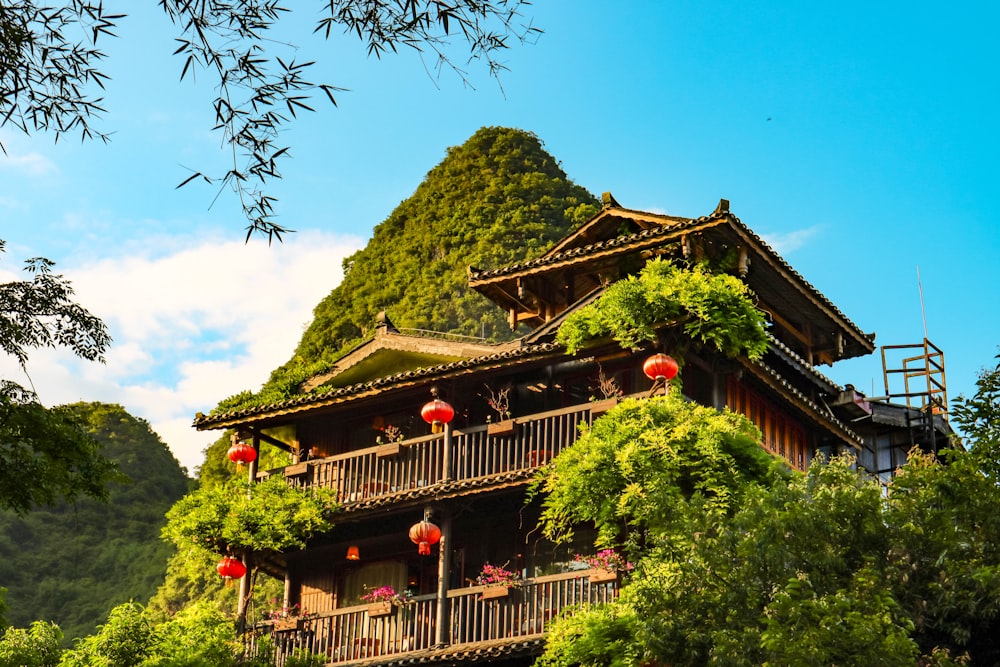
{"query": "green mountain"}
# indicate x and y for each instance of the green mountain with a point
(72, 563)
(497, 199)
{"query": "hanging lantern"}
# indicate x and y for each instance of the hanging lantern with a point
(353, 553)
(424, 534)
(230, 568)
(241, 453)
(660, 366)
(437, 412)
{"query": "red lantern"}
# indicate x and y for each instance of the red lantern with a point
(437, 412)
(660, 366)
(231, 568)
(424, 534)
(241, 453)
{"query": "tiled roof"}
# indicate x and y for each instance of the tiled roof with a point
(788, 267)
(490, 651)
(676, 227)
(305, 401)
(820, 412)
(803, 365)
(583, 251)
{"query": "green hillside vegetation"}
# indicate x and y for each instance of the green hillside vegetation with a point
(497, 199)
(71, 564)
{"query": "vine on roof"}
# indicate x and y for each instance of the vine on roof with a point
(713, 308)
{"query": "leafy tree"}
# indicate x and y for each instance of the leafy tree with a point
(713, 308)
(978, 416)
(36, 646)
(639, 469)
(497, 199)
(822, 568)
(197, 635)
(44, 455)
(272, 516)
(127, 639)
(50, 75)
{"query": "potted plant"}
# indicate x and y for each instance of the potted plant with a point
(604, 565)
(497, 581)
(610, 392)
(390, 442)
(382, 601)
(499, 402)
(285, 618)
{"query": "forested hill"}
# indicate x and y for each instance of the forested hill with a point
(498, 198)
(72, 563)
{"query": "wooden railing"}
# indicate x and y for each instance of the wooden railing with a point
(353, 633)
(476, 453)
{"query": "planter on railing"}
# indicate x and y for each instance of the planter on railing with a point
(380, 609)
(389, 450)
(494, 592)
(288, 624)
(598, 576)
(296, 469)
(505, 427)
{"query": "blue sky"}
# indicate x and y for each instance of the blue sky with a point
(860, 139)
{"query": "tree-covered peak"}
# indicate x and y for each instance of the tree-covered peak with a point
(497, 199)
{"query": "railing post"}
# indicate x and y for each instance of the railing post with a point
(446, 473)
(444, 566)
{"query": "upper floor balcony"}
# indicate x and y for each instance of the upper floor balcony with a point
(456, 459)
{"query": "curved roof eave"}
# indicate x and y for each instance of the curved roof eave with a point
(312, 401)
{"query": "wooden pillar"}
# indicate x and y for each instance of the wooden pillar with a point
(444, 568)
(244, 596)
(446, 464)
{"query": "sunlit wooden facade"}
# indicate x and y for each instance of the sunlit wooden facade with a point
(471, 477)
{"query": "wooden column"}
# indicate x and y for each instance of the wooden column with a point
(444, 567)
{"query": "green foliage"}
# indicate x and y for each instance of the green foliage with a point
(497, 199)
(272, 517)
(303, 658)
(72, 563)
(857, 625)
(37, 646)
(636, 470)
(45, 456)
(198, 635)
(125, 640)
(599, 636)
(978, 417)
(716, 309)
(945, 567)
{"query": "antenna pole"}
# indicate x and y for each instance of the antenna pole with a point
(923, 312)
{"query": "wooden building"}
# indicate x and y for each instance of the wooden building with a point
(517, 405)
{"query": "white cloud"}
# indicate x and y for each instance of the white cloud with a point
(31, 164)
(191, 327)
(788, 242)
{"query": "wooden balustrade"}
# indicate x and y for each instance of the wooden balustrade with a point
(418, 462)
(352, 634)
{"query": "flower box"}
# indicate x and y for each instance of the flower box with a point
(288, 624)
(389, 450)
(296, 469)
(598, 576)
(494, 592)
(505, 427)
(380, 609)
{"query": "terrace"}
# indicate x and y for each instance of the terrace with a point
(479, 619)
